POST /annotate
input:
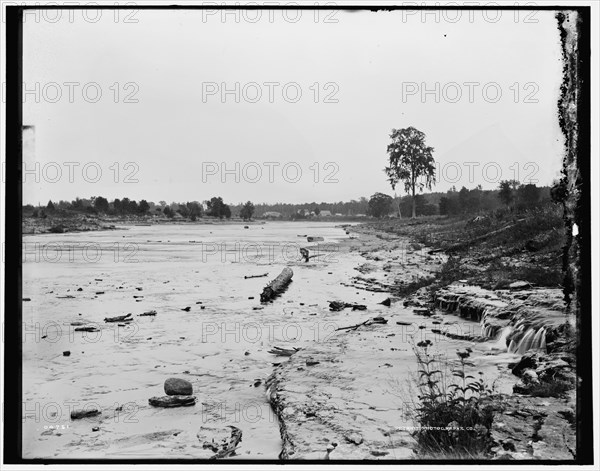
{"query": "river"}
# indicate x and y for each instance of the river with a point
(220, 344)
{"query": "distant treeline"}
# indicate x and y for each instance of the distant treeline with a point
(510, 194)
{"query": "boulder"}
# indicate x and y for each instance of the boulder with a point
(517, 285)
(178, 387)
(527, 361)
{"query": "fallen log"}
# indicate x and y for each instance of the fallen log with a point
(87, 329)
(375, 320)
(118, 318)
(255, 276)
(83, 413)
(284, 352)
(277, 286)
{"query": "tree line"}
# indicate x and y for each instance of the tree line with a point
(215, 207)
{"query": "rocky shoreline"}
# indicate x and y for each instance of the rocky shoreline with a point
(335, 399)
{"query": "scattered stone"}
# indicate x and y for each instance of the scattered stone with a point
(403, 323)
(311, 362)
(379, 453)
(148, 313)
(99, 292)
(386, 302)
(79, 289)
(354, 437)
(66, 353)
(422, 311)
(172, 401)
(341, 305)
(527, 361)
(186, 309)
(95, 429)
(178, 387)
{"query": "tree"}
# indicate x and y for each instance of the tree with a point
(528, 195)
(132, 207)
(194, 210)
(143, 207)
(445, 206)
(168, 212)
(215, 207)
(50, 206)
(247, 210)
(101, 204)
(117, 206)
(183, 210)
(506, 191)
(77, 204)
(410, 161)
(380, 205)
(317, 210)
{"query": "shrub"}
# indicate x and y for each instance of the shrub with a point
(451, 416)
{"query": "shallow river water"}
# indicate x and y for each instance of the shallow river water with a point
(220, 344)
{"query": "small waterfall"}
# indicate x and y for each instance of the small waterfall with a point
(532, 340)
(501, 342)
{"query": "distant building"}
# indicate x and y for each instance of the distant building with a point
(325, 212)
(272, 215)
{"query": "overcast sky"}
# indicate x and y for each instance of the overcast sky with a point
(163, 130)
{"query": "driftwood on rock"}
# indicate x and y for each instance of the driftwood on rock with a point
(247, 277)
(81, 414)
(88, 328)
(375, 320)
(118, 318)
(277, 286)
(285, 352)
